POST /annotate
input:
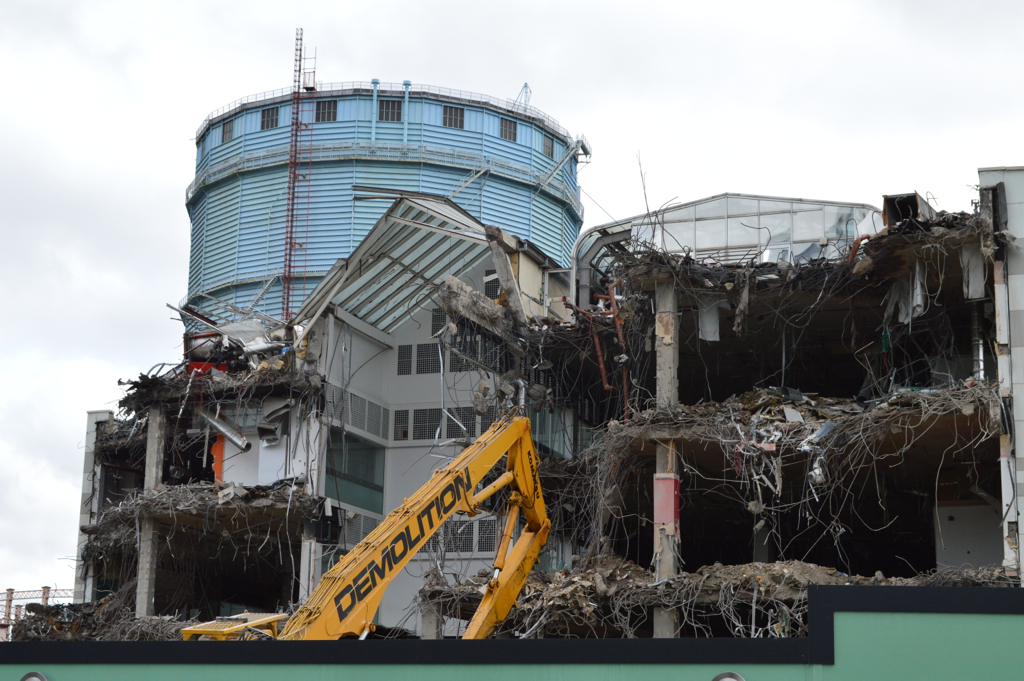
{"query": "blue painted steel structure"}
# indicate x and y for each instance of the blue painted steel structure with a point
(237, 201)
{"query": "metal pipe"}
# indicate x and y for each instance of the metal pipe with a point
(222, 427)
(600, 359)
(977, 343)
(522, 393)
(375, 113)
(573, 265)
(622, 344)
(597, 344)
(856, 246)
(405, 112)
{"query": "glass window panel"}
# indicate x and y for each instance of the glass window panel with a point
(711, 209)
(742, 206)
(356, 471)
(776, 206)
(806, 252)
(646, 231)
(839, 223)
(807, 224)
(776, 229)
(710, 234)
(743, 231)
(679, 235)
(678, 214)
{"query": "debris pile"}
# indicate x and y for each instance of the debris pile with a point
(613, 599)
(109, 619)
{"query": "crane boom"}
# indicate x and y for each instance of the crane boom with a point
(348, 595)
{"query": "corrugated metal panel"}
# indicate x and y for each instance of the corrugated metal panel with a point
(570, 230)
(224, 151)
(513, 151)
(439, 136)
(197, 215)
(342, 131)
(221, 234)
(261, 223)
(252, 121)
(475, 120)
(546, 225)
(389, 132)
(524, 136)
(326, 234)
(433, 113)
(507, 205)
(268, 139)
(348, 110)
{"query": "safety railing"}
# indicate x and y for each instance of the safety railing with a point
(332, 151)
(509, 105)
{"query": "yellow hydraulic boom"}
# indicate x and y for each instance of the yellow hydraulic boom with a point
(347, 597)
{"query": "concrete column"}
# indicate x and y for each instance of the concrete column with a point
(156, 438)
(431, 622)
(666, 478)
(309, 567)
(666, 346)
(145, 590)
(1002, 206)
(89, 510)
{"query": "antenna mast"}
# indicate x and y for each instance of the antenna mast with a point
(300, 167)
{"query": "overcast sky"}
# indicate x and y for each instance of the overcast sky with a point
(841, 101)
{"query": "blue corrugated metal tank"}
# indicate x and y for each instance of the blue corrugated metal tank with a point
(442, 139)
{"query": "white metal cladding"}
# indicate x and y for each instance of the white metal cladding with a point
(411, 249)
(237, 199)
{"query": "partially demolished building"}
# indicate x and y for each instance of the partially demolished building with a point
(734, 399)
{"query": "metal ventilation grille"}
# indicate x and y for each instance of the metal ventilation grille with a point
(467, 417)
(357, 526)
(404, 360)
(492, 287)
(464, 536)
(487, 535)
(373, 417)
(402, 424)
(358, 411)
(425, 423)
(428, 359)
(458, 536)
(437, 321)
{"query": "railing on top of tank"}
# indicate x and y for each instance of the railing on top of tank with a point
(258, 97)
(461, 95)
(387, 151)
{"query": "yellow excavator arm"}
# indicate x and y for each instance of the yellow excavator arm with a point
(348, 595)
